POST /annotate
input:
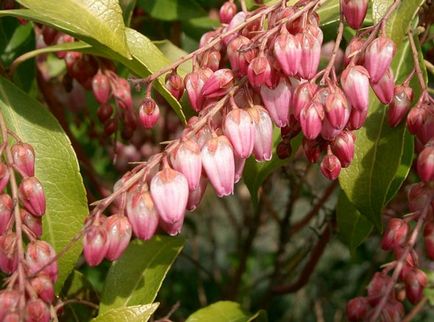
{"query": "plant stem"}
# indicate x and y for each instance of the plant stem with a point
(415, 53)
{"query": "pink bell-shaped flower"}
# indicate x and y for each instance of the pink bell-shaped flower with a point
(8, 252)
(328, 132)
(240, 130)
(118, 235)
(43, 287)
(310, 55)
(218, 84)
(239, 56)
(395, 234)
(354, 12)
(175, 84)
(169, 184)
(263, 146)
(32, 196)
(227, 11)
(302, 97)
(337, 110)
(40, 255)
(400, 105)
(354, 46)
(37, 310)
(330, 166)
(343, 148)
(425, 163)
(149, 112)
(357, 119)
(187, 160)
(312, 149)
(238, 19)
(259, 72)
(95, 244)
(101, 88)
(4, 176)
(277, 101)
(311, 120)
(219, 164)
(194, 82)
(24, 159)
(378, 57)
(287, 50)
(6, 207)
(384, 88)
(355, 83)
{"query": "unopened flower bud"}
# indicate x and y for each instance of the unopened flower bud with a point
(43, 286)
(425, 164)
(312, 149)
(330, 166)
(240, 130)
(283, 150)
(37, 311)
(415, 119)
(40, 255)
(357, 309)
(343, 148)
(415, 281)
(142, 214)
(32, 196)
(175, 85)
(227, 12)
(287, 50)
(337, 109)
(384, 88)
(239, 57)
(311, 120)
(263, 146)
(104, 112)
(355, 45)
(354, 12)
(277, 101)
(101, 88)
(302, 98)
(355, 83)
(238, 19)
(357, 119)
(426, 131)
(6, 207)
(169, 184)
(419, 196)
(4, 176)
(8, 302)
(24, 159)
(95, 244)
(8, 253)
(259, 72)
(194, 82)
(122, 94)
(400, 105)
(218, 84)
(33, 223)
(186, 159)
(210, 59)
(395, 234)
(310, 55)
(149, 112)
(118, 235)
(328, 132)
(219, 164)
(378, 57)
(377, 287)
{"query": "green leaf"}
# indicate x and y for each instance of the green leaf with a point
(170, 10)
(329, 12)
(196, 27)
(173, 53)
(97, 22)
(353, 228)
(127, 7)
(224, 311)
(138, 275)
(138, 313)
(379, 148)
(56, 168)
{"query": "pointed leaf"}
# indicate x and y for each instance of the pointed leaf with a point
(56, 168)
(138, 275)
(225, 311)
(173, 9)
(138, 313)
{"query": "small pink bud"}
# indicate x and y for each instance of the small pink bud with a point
(38, 255)
(210, 59)
(357, 309)
(240, 130)
(384, 87)
(104, 112)
(428, 234)
(208, 37)
(24, 159)
(195, 196)
(311, 120)
(330, 166)
(259, 72)
(287, 50)
(400, 105)
(425, 164)
(426, 131)
(227, 12)
(101, 88)
(43, 287)
(4, 176)
(377, 287)
(8, 302)
(186, 159)
(95, 244)
(263, 146)
(355, 83)
(142, 214)
(122, 94)
(343, 148)
(355, 12)
(395, 234)
(419, 196)
(8, 253)
(118, 235)
(219, 164)
(312, 150)
(415, 119)
(194, 82)
(170, 185)
(415, 281)
(37, 311)
(337, 109)
(218, 84)
(357, 119)
(328, 132)
(378, 57)
(355, 45)
(149, 113)
(239, 56)
(303, 95)
(175, 85)
(6, 207)
(310, 55)
(32, 223)
(32, 196)
(238, 19)
(277, 101)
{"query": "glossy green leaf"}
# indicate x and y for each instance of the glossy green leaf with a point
(138, 275)
(329, 12)
(379, 148)
(127, 7)
(224, 311)
(56, 168)
(173, 9)
(97, 22)
(138, 313)
(353, 227)
(173, 53)
(196, 27)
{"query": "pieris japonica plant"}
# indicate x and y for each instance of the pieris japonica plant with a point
(262, 156)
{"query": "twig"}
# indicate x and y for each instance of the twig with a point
(415, 53)
(415, 310)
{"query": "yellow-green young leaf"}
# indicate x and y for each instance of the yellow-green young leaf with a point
(225, 311)
(137, 313)
(137, 276)
(380, 150)
(173, 53)
(329, 12)
(56, 168)
(96, 21)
